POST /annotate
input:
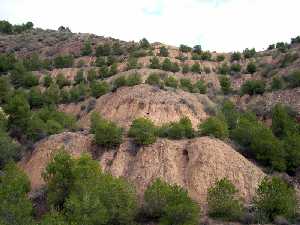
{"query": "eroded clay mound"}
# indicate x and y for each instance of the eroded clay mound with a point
(194, 164)
(161, 106)
(34, 165)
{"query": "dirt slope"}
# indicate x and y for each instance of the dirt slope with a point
(194, 164)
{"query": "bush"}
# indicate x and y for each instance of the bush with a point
(144, 43)
(196, 68)
(220, 58)
(291, 144)
(185, 48)
(52, 94)
(200, 87)
(170, 204)
(103, 50)
(132, 63)
(197, 49)
(104, 72)
(47, 80)
(185, 68)
(154, 79)
(86, 49)
(253, 87)
(143, 131)
(7, 62)
(294, 79)
(249, 53)
(163, 51)
(206, 56)
(80, 78)
(224, 69)
(99, 88)
(119, 82)
(9, 149)
(251, 67)
(225, 84)
(92, 75)
(223, 201)
(33, 62)
(167, 65)
(186, 84)
(15, 208)
(235, 67)
(6, 27)
(277, 84)
(63, 61)
(214, 126)
(154, 63)
(107, 134)
(62, 81)
(177, 130)
(230, 113)
(36, 98)
(134, 79)
(139, 53)
(236, 56)
(288, 59)
(275, 198)
(101, 61)
(171, 81)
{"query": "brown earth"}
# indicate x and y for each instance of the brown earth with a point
(193, 164)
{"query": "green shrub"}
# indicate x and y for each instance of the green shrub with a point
(36, 98)
(225, 84)
(167, 65)
(15, 208)
(277, 84)
(53, 218)
(275, 198)
(103, 50)
(79, 78)
(207, 69)
(200, 87)
(291, 144)
(170, 204)
(6, 27)
(294, 79)
(231, 115)
(113, 69)
(119, 82)
(154, 79)
(52, 94)
(107, 134)
(47, 80)
(185, 68)
(196, 68)
(63, 61)
(214, 126)
(132, 63)
(288, 59)
(249, 53)
(236, 56)
(251, 67)
(206, 56)
(134, 79)
(7, 62)
(163, 51)
(235, 67)
(197, 49)
(185, 48)
(171, 81)
(101, 61)
(86, 49)
(33, 62)
(62, 81)
(220, 58)
(186, 84)
(177, 130)
(223, 69)
(144, 43)
(9, 149)
(154, 63)
(99, 88)
(143, 131)
(253, 87)
(223, 201)
(104, 72)
(139, 53)
(91, 75)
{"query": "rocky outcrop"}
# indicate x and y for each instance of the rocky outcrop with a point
(193, 164)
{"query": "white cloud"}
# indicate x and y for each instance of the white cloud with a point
(222, 25)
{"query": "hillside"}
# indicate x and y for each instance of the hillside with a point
(205, 116)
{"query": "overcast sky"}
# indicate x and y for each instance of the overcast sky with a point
(221, 25)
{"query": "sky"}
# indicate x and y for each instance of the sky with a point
(217, 25)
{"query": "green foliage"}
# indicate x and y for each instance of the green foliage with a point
(92, 75)
(80, 78)
(235, 67)
(15, 207)
(214, 126)
(7, 62)
(104, 72)
(177, 130)
(220, 58)
(52, 94)
(185, 48)
(282, 47)
(5, 89)
(119, 82)
(30, 80)
(170, 204)
(277, 83)
(186, 84)
(53, 218)
(224, 69)
(163, 51)
(103, 50)
(33, 62)
(107, 134)
(86, 49)
(101, 61)
(236, 56)
(294, 79)
(143, 131)
(154, 63)
(117, 49)
(231, 115)
(132, 63)
(249, 53)
(196, 68)
(134, 79)
(291, 144)
(206, 56)
(223, 201)
(225, 84)
(113, 69)
(6, 27)
(99, 88)
(36, 98)
(275, 198)
(197, 49)
(9, 149)
(200, 87)
(253, 87)
(288, 59)
(171, 81)
(144, 43)
(167, 65)
(185, 68)
(154, 79)
(62, 81)
(47, 80)
(63, 61)
(251, 67)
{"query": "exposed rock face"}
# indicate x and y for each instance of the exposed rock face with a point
(193, 164)
(129, 103)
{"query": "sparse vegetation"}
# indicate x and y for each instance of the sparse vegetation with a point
(143, 131)
(253, 87)
(215, 127)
